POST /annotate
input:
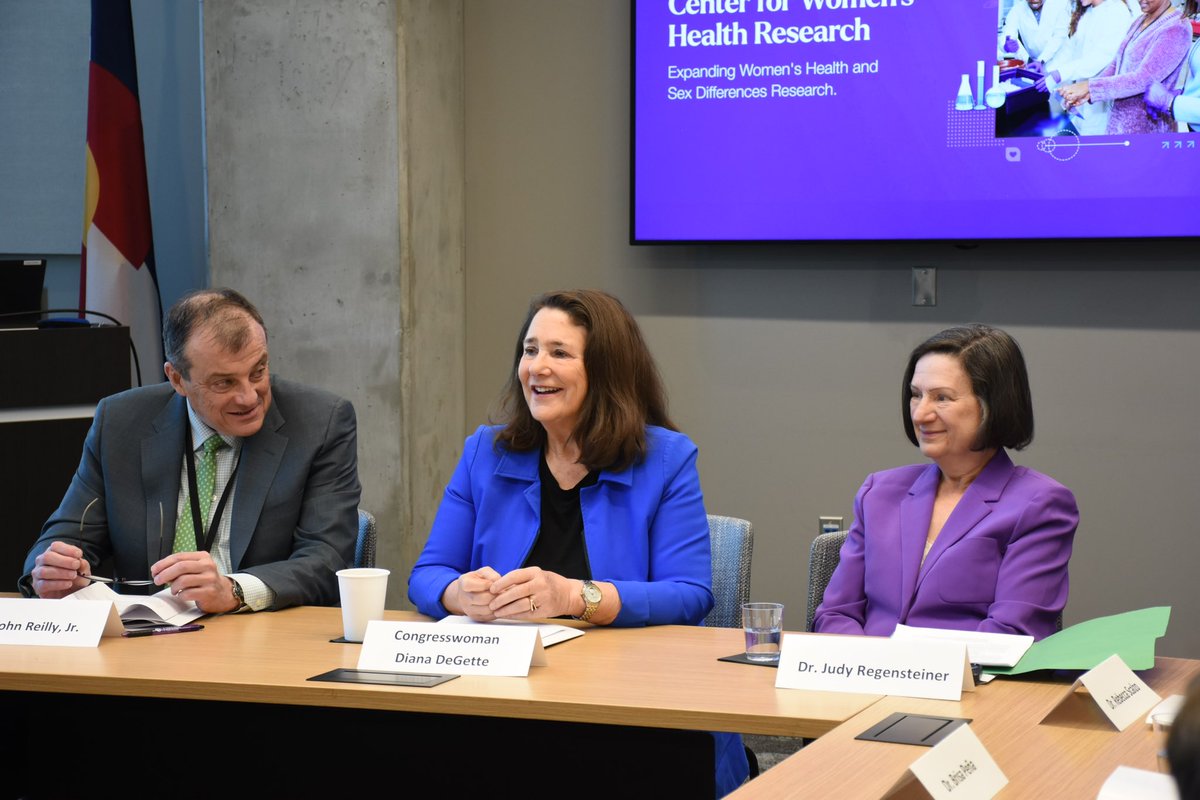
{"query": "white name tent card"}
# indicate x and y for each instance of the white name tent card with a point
(869, 665)
(499, 650)
(1128, 783)
(957, 767)
(57, 623)
(1120, 695)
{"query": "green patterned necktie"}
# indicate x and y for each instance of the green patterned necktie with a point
(206, 477)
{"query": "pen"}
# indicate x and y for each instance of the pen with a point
(162, 630)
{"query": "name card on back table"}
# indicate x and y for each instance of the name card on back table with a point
(957, 767)
(500, 650)
(57, 623)
(869, 665)
(1122, 696)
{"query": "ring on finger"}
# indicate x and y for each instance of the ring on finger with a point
(532, 604)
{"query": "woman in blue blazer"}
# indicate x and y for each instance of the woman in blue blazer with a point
(971, 541)
(585, 502)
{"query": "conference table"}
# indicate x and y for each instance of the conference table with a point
(1071, 754)
(603, 702)
(605, 697)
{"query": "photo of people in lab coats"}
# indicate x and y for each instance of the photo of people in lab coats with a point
(1087, 66)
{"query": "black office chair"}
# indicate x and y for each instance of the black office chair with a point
(364, 547)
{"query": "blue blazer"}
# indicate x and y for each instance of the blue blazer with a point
(644, 528)
(998, 565)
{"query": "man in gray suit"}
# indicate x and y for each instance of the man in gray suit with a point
(260, 517)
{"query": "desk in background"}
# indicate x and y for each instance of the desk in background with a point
(53, 380)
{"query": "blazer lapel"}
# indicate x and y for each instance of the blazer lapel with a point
(258, 464)
(975, 505)
(916, 510)
(162, 462)
(523, 466)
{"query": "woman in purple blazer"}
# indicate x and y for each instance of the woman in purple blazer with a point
(1154, 49)
(971, 541)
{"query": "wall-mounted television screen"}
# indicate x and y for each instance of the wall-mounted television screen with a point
(801, 120)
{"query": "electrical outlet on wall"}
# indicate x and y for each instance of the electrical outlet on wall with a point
(831, 524)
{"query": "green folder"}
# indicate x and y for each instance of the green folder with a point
(1130, 635)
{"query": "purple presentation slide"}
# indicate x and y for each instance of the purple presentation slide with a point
(764, 120)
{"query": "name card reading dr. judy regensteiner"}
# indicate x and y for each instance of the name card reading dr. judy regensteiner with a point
(937, 670)
(426, 647)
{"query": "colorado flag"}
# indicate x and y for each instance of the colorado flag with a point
(117, 273)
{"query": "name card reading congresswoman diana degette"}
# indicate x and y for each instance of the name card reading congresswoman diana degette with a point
(500, 650)
(870, 665)
(57, 623)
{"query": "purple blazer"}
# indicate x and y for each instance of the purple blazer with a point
(999, 564)
(1155, 54)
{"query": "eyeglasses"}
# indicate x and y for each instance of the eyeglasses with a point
(115, 581)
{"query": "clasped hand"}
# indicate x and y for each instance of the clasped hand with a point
(59, 570)
(1075, 94)
(527, 593)
(195, 577)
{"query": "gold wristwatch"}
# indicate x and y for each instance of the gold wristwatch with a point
(592, 596)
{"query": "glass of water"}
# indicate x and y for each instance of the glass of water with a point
(763, 624)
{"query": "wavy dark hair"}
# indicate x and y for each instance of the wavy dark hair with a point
(625, 390)
(994, 364)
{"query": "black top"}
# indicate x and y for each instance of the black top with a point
(559, 545)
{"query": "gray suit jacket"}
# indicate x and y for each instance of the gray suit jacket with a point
(294, 511)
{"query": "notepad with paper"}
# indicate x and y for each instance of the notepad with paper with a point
(551, 634)
(143, 611)
(993, 649)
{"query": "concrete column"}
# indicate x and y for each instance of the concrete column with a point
(334, 137)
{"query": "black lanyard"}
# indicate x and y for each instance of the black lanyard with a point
(197, 521)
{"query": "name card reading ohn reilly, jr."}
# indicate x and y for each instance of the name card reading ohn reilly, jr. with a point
(425, 647)
(57, 623)
(1122, 696)
(870, 665)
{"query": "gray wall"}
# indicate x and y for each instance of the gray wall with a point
(784, 362)
(335, 187)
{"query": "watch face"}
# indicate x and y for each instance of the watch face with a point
(591, 592)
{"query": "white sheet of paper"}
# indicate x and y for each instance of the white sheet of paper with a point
(57, 623)
(990, 649)
(429, 647)
(1121, 695)
(1127, 783)
(959, 767)
(160, 608)
(551, 634)
(871, 665)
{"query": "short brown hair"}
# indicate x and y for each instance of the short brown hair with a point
(225, 309)
(994, 364)
(625, 391)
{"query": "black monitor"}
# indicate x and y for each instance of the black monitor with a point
(21, 282)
